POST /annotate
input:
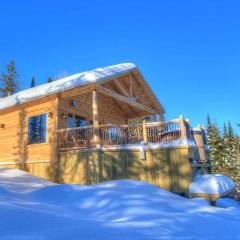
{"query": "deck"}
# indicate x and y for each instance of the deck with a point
(110, 135)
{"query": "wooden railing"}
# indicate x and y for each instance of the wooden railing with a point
(120, 134)
(116, 135)
(71, 138)
(159, 132)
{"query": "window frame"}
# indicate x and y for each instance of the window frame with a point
(46, 132)
(74, 116)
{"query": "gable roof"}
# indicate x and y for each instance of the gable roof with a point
(67, 83)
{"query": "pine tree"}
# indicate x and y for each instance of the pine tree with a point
(229, 148)
(231, 153)
(33, 82)
(237, 168)
(215, 146)
(9, 80)
(224, 151)
(49, 80)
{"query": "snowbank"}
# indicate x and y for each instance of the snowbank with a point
(18, 181)
(212, 185)
(116, 210)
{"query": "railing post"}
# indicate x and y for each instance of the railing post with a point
(145, 135)
(183, 128)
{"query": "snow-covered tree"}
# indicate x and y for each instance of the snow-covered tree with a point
(224, 151)
(229, 149)
(215, 145)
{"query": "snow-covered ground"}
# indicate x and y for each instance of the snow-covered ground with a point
(32, 208)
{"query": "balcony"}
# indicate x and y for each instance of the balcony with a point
(128, 135)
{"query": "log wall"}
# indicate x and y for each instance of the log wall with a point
(108, 109)
(14, 136)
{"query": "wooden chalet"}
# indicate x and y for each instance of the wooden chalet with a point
(78, 130)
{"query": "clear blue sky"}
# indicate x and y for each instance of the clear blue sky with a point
(188, 51)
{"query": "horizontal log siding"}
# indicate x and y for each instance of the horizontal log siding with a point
(109, 111)
(13, 138)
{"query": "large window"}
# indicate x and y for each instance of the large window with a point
(75, 121)
(37, 129)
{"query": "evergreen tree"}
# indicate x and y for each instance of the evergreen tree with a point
(33, 82)
(49, 80)
(215, 145)
(229, 148)
(9, 83)
(237, 168)
(224, 151)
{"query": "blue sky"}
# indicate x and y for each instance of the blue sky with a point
(188, 51)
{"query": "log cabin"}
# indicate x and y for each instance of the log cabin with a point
(85, 129)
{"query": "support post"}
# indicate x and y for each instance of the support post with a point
(145, 137)
(56, 123)
(55, 161)
(199, 140)
(95, 119)
(183, 128)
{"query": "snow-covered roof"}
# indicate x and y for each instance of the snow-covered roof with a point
(79, 79)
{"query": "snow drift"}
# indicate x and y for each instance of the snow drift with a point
(116, 210)
(215, 184)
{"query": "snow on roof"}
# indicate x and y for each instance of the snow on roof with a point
(79, 79)
(211, 184)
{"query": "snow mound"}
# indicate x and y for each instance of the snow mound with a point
(216, 184)
(119, 210)
(19, 181)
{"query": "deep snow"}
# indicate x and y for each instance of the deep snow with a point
(32, 208)
(212, 184)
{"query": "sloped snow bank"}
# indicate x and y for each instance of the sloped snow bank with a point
(211, 184)
(116, 210)
(227, 203)
(19, 181)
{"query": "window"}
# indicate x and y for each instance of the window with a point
(73, 103)
(75, 121)
(37, 129)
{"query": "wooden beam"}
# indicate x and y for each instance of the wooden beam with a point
(55, 134)
(182, 127)
(121, 88)
(95, 118)
(124, 99)
(124, 92)
(153, 97)
(130, 86)
(145, 135)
